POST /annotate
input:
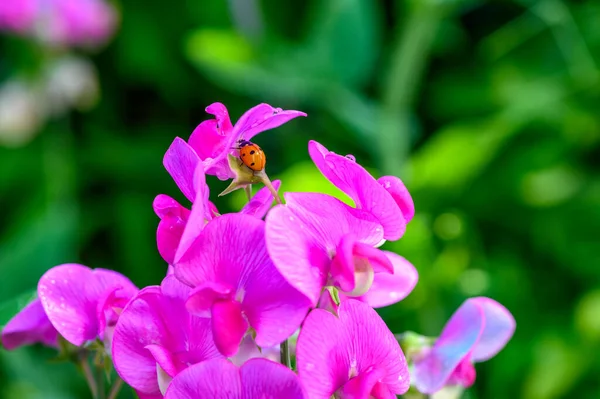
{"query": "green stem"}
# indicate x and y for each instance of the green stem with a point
(100, 380)
(89, 377)
(115, 389)
(406, 70)
(285, 354)
(248, 191)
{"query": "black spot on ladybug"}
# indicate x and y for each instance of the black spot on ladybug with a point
(252, 152)
(252, 164)
(244, 154)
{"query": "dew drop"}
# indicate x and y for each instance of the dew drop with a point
(351, 157)
(53, 281)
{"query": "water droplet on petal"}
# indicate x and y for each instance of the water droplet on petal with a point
(53, 281)
(351, 157)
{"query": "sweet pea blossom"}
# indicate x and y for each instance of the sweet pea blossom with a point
(220, 379)
(214, 139)
(387, 198)
(237, 286)
(179, 226)
(29, 326)
(353, 355)
(156, 337)
(316, 240)
(476, 332)
(60, 22)
(82, 303)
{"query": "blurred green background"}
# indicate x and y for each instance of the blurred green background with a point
(488, 110)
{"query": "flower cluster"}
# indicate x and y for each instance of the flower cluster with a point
(246, 293)
(59, 22)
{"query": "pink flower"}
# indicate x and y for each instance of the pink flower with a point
(387, 198)
(178, 226)
(17, 15)
(237, 286)
(220, 379)
(83, 304)
(476, 332)
(156, 337)
(60, 22)
(315, 240)
(29, 326)
(215, 138)
(353, 355)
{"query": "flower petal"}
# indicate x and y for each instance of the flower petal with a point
(459, 337)
(262, 378)
(181, 160)
(499, 328)
(302, 234)
(228, 325)
(261, 202)
(29, 326)
(230, 252)
(168, 236)
(198, 215)
(205, 295)
(212, 379)
(331, 350)
(209, 138)
(359, 185)
(164, 205)
(70, 293)
(260, 118)
(400, 194)
(388, 289)
(157, 316)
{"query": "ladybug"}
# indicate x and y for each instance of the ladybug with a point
(251, 155)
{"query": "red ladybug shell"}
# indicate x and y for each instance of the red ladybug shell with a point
(252, 156)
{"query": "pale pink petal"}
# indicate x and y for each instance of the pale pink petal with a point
(400, 194)
(29, 326)
(70, 294)
(302, 234)
(359, 185)
(499, 328)
(331, 350)
(457, 340)
(181, 160)
(261, 202)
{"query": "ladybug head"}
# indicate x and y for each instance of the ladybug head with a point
(242, 143)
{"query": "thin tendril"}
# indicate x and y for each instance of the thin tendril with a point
(115, 389)
(89, 377)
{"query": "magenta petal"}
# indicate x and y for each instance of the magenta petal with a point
(457, 340)
(260, 118)
(231, 252)
(362, 385)
(400, 194)
(261, 202)
(262, 378)
(165, 359)
(164, 205)
(157, 316)
(229, 326)
(29, 326)
(302, 234)
(359, 185)
(204, 296)
(181, 160)
(220, 379)
(499, 328)
(388, 289)
(70, 294)
(331, 350)
(377, 258)
(168, 236)
(198, 216)
(206, 140)
(342, 265)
